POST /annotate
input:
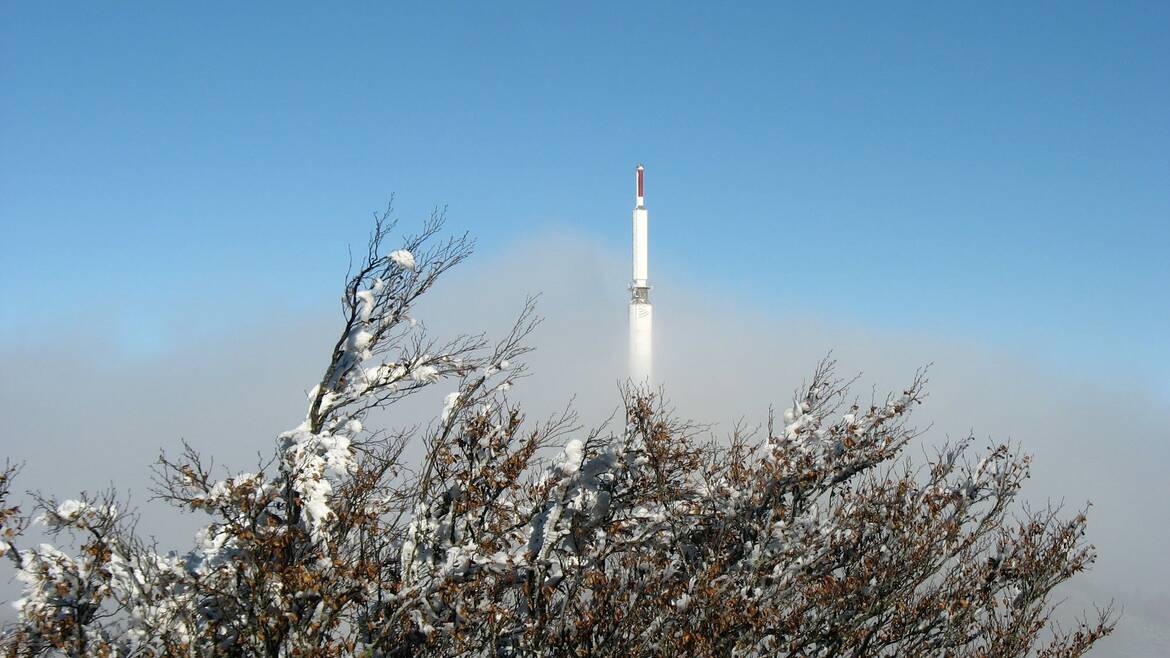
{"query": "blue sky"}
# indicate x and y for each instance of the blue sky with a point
(997, 174)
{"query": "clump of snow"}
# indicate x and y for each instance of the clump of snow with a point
(404, 259)
(47, 578)
(574, 451)
(214, 548)
(425, 374)
(225, 491)
(449, 405)
(309, 459)
(69, 510)
(74, 513)
(365, 304)
(315, 493)
(386, 373)
(358, 340)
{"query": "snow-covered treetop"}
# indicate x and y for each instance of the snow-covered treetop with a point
(513, 538)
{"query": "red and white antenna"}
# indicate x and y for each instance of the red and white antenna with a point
(641, 186)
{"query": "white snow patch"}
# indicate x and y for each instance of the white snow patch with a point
(449, 405)
(574, 451)
(69, 510)
(425, 374)
(359, 339)
(404, 259)
(365, 304)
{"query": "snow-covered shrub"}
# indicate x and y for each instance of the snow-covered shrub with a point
(511, 538)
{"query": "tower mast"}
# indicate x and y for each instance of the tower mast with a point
(641, 312)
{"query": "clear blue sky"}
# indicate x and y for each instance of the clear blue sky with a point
(996, 173)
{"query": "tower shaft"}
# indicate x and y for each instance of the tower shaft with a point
(641, 312)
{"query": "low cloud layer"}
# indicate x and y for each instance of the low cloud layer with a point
(81, 413)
